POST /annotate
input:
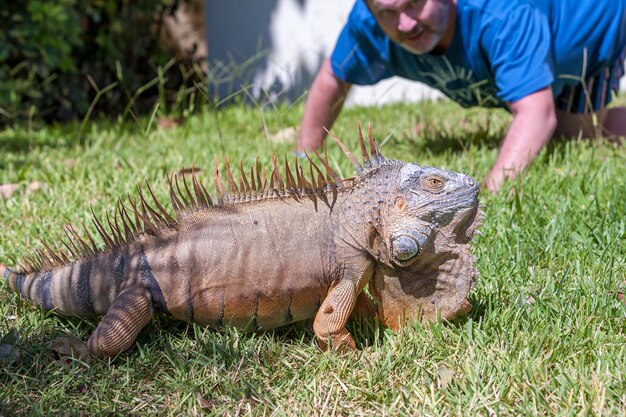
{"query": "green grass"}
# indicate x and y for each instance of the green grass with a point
(546, 336)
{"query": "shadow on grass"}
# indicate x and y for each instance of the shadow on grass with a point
(222, 342)
(437, 140)
(227, 346)
(478, 311)
(472, 133)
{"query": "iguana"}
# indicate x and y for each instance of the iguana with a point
(270, 252)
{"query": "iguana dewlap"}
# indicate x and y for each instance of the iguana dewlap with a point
(269, 253)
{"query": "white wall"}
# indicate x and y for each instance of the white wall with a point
(303, 35)
(297, 35)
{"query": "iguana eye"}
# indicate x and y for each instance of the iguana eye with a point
(434, 183)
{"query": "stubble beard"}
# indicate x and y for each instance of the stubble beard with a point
(441, 21)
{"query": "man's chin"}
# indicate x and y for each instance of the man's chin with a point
(419, 49)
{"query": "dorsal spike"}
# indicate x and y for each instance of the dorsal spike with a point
(132, 221)
(366, 157)
(277, 182)
(207, 195)
(148, 225)
(108, 240)
(129, 230)
(176, 203)
(30, 264)
(119, 211)
(291, 183)
(185, 205)
(115, 233)
(260, 184)
(246, 185)
(377, 157)
(168, 219)
(346, 151)
(264, 184)
(193, 204)
(309, 186)
(146, 220)
(202, 198)
(320, 176)
(198, 196)
(232, 185)
(94, 248)
(242, 190)
(312, 177)
(300, 183)
(120, 229)
(64, 257)
(253, 182)
(84, 249)
(57, 260)
(74, 250)
(133, 204)
(373, 147)
(199, 201)
(46, 263)
(154, 215)
(330, 172)
(75, 255)
(219, 185)
(331, 176)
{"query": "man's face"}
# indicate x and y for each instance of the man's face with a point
(416, 25)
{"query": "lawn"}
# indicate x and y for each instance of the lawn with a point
(546, 336)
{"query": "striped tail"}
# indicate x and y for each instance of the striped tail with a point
(33, 287)
(14, 278)
(81, 288)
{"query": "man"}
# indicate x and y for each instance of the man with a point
(553, 64)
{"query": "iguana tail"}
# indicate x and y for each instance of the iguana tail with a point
(90, 286)
(10, 276)
(86, 287)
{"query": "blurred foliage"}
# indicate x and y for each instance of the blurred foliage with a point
(58, 58)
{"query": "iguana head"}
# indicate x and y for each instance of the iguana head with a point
(429, 270)
(427, 200)
(421, 226)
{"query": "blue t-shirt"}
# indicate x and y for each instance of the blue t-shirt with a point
(502, 50)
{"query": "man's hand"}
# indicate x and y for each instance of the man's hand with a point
(534, 121)
(322, 107)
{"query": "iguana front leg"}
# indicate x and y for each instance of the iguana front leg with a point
(330, 320)
(130, 312)
(363, 308)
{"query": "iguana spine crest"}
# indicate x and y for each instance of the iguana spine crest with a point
(150, 218)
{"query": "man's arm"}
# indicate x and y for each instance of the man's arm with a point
(534, 121)
(323, 105)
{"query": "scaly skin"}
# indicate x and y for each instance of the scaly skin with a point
(263, 262)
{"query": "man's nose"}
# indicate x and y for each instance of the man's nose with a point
(406, 23)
